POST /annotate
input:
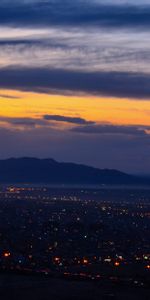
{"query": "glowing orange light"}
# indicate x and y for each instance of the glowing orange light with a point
(148, 267)
(85, 261)
(117, 264)
(56, 259)
(6, 254)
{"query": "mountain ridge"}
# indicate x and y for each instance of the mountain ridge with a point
(48, 170)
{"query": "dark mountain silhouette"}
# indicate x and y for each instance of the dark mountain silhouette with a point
(49, 171)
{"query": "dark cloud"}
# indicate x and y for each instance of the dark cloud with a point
(112, 129)
(74, 120)
(16, 42)
(43, 121)
(104, 151)
(23, 122)
(32, 42)
(70, 13)
(9, 96)
(117, 84)
(84, 127)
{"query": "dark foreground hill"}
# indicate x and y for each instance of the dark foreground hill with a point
(33, 288)
(49, 171)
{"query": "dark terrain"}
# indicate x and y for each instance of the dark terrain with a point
(33, 170)
(33, 288)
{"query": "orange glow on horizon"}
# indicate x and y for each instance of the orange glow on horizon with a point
(97, 109)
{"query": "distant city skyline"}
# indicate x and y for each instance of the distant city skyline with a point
(75, 82)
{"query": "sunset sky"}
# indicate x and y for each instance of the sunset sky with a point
(75, 81)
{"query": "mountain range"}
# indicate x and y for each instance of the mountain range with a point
(49, 171)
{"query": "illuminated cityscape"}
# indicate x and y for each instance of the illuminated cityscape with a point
(81, 234)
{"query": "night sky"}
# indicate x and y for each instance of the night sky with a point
(75, 81)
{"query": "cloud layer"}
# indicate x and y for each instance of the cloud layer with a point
(52, 37)
(117, 84)
(74, 13)
(72, 120)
